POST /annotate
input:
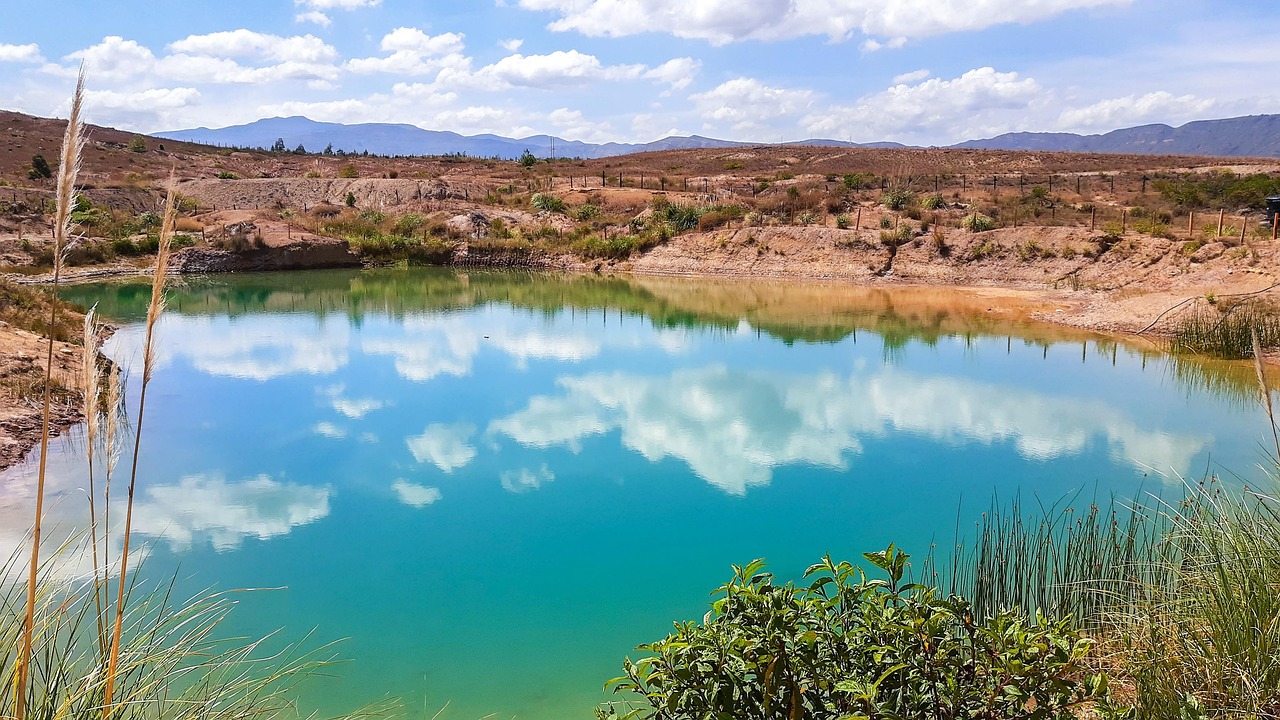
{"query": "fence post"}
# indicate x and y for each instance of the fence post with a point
(1222, 216)
(1191, 224)
(857, 225)
(1093, 219)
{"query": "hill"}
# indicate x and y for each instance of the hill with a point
(401, 139)
(1252, 136)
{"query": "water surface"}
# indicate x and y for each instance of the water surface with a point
(495, 485)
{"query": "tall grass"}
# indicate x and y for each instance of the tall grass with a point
(1062, 561)
(1226, 331)
(68, 169)
(1183, 597)
(154, 310)
(174, 664)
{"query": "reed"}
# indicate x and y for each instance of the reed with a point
(91, 383)
(154, 310)
(176, 664)
(1226, 331)
(1061, 561)
(68, 169)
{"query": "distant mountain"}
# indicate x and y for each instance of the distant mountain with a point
(399, 139)
(1252, 136)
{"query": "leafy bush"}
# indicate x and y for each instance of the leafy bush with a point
(547, 203)
(585, 212)
(843, 222)
(978, 223)
(898, 199)
(348, 171)
(847, 646)
(933, 202)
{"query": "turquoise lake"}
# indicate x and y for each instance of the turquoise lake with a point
(493, 486)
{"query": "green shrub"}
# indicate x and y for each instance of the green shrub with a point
(843, 222)
(585, 212)
(933, 202)
(348, 171)
(898, 199)
(547, 203)
(846, 646)
(978, 223)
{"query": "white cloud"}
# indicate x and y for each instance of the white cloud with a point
(20, 53)
(747, 103)
(413, 52)
(724, 21)
(337, 4)
(733, 428)
(158, 98)
(415, 495)
(329, 430)
(555, 69)
(115, 59)
(247, 43)
(511, 45)
(313, 16)
(910, 77)
(227, 513)
(444, 446)
(972, 105)
(676, 72)
(524, 479)
(1119, 112)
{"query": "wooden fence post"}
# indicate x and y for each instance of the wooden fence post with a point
(1222, 216)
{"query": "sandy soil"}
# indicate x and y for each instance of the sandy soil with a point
(22, 363)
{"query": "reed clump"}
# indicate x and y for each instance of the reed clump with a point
(1225, 330)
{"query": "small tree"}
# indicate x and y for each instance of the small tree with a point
(278, 146)
(300, 150)
(328, 149)
(348, 171)
(528, 159)
(138, 144)
(351, 199)
(39, 168)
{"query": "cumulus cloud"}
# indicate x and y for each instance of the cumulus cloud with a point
(248, 43)
(313, 16)
(973, 104)
(746, 103)
(415, 495)
(20, 53)
(444, 446)
(733, 428)
(1134, 110)
(157, 98)
(413, 52)
(724, 21)
(114, 59)
(512, 45)
(226, 513)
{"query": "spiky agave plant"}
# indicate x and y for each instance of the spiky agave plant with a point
(69, 168)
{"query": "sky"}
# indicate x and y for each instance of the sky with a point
(922, 72)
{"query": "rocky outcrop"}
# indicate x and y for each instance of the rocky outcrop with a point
(293, 256)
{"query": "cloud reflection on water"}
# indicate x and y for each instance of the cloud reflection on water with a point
(733, 428)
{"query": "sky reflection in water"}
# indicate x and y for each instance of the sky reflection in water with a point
(496, 485)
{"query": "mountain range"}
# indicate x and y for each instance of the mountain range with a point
(1252, 136)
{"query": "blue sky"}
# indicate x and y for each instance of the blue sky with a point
(927, 72)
